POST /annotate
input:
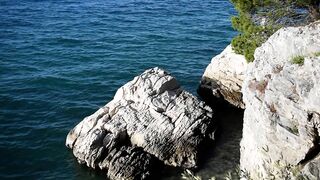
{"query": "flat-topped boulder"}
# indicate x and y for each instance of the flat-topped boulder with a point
(151, 118)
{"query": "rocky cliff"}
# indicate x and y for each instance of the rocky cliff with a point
(150, 119)
(281, 137)
(222, 79)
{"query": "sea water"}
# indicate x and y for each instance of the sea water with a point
(62, 60)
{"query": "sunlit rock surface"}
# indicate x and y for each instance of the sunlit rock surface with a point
(223, 78)
(150, 118)
(281, 121)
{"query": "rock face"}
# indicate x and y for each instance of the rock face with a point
(224, 76)
(281, 121)
(150, 118)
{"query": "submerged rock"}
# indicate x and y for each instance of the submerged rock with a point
(281, 128)
(150, 118)
(223, 78)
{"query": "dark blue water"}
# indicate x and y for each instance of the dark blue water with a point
(62, 60)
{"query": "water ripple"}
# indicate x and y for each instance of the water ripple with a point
(61, 60)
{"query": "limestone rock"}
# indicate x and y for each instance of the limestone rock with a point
(150, 118)
(281, 121)
(224, 76)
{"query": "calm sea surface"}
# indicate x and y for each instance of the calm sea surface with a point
(62, 60)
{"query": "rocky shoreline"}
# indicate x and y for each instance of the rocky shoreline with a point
(152, 119)
(281, 119)
(282, 103)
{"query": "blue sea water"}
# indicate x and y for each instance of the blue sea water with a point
(62, 60)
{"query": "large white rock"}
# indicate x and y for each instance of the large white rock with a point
(281, 121)
(224, 76)
(150, 117)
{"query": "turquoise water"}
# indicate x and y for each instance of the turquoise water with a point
(62, 60)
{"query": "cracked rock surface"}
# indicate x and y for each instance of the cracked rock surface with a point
(223, 78)
(281, 120)
(150, 118)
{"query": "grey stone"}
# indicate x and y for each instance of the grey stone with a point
(150, 118)
(281, 119)
(224, 76)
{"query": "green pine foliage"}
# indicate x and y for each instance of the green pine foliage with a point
(252, 35)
